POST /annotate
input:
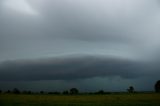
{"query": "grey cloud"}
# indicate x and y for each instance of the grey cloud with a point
(125, 32)
(70, 26)
(85, 20)
(69, 68)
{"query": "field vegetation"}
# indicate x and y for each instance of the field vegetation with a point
(73, 97)
(122, 99)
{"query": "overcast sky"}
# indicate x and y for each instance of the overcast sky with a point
(59, 44)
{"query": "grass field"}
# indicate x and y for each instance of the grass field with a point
(80, 100)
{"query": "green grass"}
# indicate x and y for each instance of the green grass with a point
(80, 100)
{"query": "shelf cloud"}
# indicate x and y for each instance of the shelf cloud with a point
(71, 68)
(79, 39)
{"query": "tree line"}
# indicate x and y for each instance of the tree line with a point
(74, 91)
(17, 91)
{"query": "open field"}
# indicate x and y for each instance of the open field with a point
(80, 100)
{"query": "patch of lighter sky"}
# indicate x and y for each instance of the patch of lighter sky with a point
(21, 6)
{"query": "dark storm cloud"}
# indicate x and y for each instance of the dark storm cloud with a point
(125, 32)
(69, 68)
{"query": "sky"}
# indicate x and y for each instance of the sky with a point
(88, 44)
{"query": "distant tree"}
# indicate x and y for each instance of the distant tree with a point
(24, 92)
(74, 91)
(57, 93)
(65, 92)
(100, 92)
(29, 92)
(16, 91)
(41, 92)
(8, 91)
(91, 93)
(50, 92)
(157, 86)
(0, 91)
(130, 89)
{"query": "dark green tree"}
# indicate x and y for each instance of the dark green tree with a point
(29, 92)
(8, 91)
(130, 89)
(56, 93)
(65, 92)
(16, 91)
(100, 92)
(74, 91)
(24, 92)
(157, 86)
(41, 92)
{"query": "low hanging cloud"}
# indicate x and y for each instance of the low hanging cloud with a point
(70, 68)
(119, 39)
